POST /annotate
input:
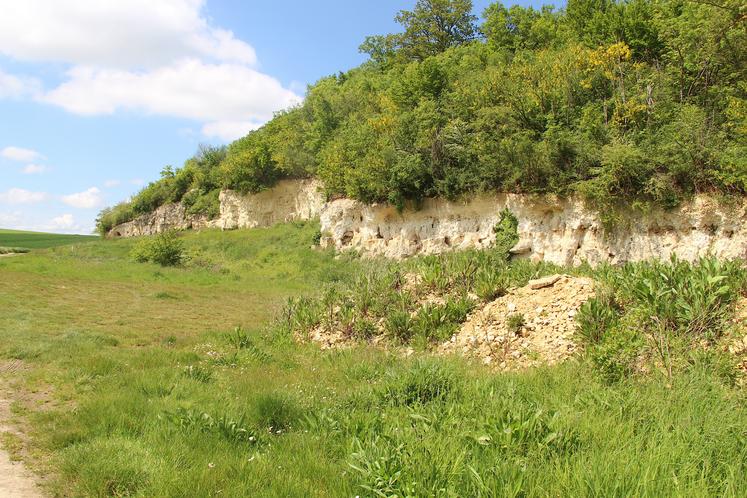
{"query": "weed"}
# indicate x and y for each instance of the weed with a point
(198, 373)
(515, 323)
(423, 382)
(399, 326)
(227, 428)
(276, 412)
(595, 317)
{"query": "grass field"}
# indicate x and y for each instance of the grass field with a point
(132, 380)
(39, 240)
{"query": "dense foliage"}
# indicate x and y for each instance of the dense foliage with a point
(638, 100)
(165, 249)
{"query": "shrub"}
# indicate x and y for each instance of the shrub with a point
(595, 318)
(506, 232)
(165, 249)
(490, 284)
(615, 358)
(693, 299)
(364, 328)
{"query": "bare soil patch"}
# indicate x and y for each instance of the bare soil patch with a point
(15, 479)
(529, 326)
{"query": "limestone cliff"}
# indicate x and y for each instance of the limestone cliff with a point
(288, 200)
(167, 217)
(564, 232)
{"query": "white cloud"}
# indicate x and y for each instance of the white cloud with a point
(34, 169)
(152, 57)
(20, 154)
(17, 86)
(88, 199)
(219, 94)
(112, 183)
(137, 182)
(22, 196)
(110, 33)
(63, 222)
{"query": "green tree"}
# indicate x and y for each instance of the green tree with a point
(432, 27)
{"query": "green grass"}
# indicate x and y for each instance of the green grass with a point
(134, 380)
(39, 240)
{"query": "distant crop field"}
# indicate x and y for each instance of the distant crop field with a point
(39, 240)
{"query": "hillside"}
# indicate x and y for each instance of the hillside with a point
(639, 102)
(39, 240)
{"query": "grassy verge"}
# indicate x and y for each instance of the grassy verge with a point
(140, 380)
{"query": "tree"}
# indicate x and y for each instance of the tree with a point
(431, 28)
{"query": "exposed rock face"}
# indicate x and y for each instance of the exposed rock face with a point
(288, 200)
(167, 217)
(560, 231)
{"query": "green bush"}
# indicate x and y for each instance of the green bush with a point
(506, 232)
(165, 249)
(399, 326)
(595, 318)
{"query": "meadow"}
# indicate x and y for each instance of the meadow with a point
(38, 240)
(132, 379)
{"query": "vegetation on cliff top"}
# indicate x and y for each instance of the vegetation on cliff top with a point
(639, 100)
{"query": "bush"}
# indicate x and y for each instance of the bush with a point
(615, 358)
(165, 249)
(506, 232)
(595, 318)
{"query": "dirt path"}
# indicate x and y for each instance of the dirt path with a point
(16, 481)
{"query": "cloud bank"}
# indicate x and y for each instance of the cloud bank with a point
(155, 58)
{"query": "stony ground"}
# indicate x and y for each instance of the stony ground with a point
(528, 326)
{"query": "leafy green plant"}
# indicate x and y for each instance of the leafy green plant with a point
(515, 323)
(364, 328)
(424, 381)
(490, 284)
(399, 325)
(165, 249)
(198, 373)
(506, 232)
(595, 318)
(227, 428)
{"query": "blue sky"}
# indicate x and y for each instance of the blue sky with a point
(97, 97)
